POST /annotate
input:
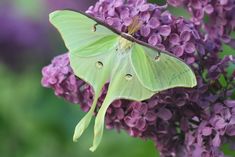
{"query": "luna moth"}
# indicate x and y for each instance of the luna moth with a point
(134, 69)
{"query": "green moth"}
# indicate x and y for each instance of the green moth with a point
(101, 54)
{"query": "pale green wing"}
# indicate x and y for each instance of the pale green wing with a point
(80, 32)
(160, 73)
(82, 41)
(124, 84)
(95, 71)
(113, 66)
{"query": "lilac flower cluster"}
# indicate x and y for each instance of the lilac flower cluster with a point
(219, 12)
(182, 122)
(59, 76)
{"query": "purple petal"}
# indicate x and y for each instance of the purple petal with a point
(141, 124)
(117, 103)
(161, 46)
(209, 9)
(232, 120)
(151, 116)
(189, 138)
(111, 12)
(135, 114)
(145, 16)
(166, 18)
(196, 4)
(143, 108)
(154, 39)
(197, 151)
(198, 14)
(118, 3)
(230, 130)
(223, 2)
(206, 131)
(218, 107)
(178, 51)
(216, 141)
(153, 23)
(174, 39)
(46, 71)
(164, 114)
(139, 2)
(190, 60)
(124, 13)
(189, 47)
(127, 21)
(185, 36)
(129, 121)
(230, 103)
(134, 132)
(110, 21)
(52, 80)
(220, 123)
(226, 114)
(145, 31)
(45, 83)
(120, 113)
(144, 7)
(115, 22)
(164, 30)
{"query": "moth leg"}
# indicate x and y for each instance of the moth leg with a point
(157, 56)
(94, 27)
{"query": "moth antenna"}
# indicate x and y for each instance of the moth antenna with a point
(135, 25)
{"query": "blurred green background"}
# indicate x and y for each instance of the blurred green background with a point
(33, 121)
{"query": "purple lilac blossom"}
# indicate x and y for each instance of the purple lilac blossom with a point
(220, 13)
(182, 122)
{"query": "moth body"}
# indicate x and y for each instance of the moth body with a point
(125, 45)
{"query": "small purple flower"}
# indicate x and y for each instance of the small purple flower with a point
(113, 5)
(138, 6)
(140, 116)
(181, 43)
(123, 20)
(149, 23)
(201, 7)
